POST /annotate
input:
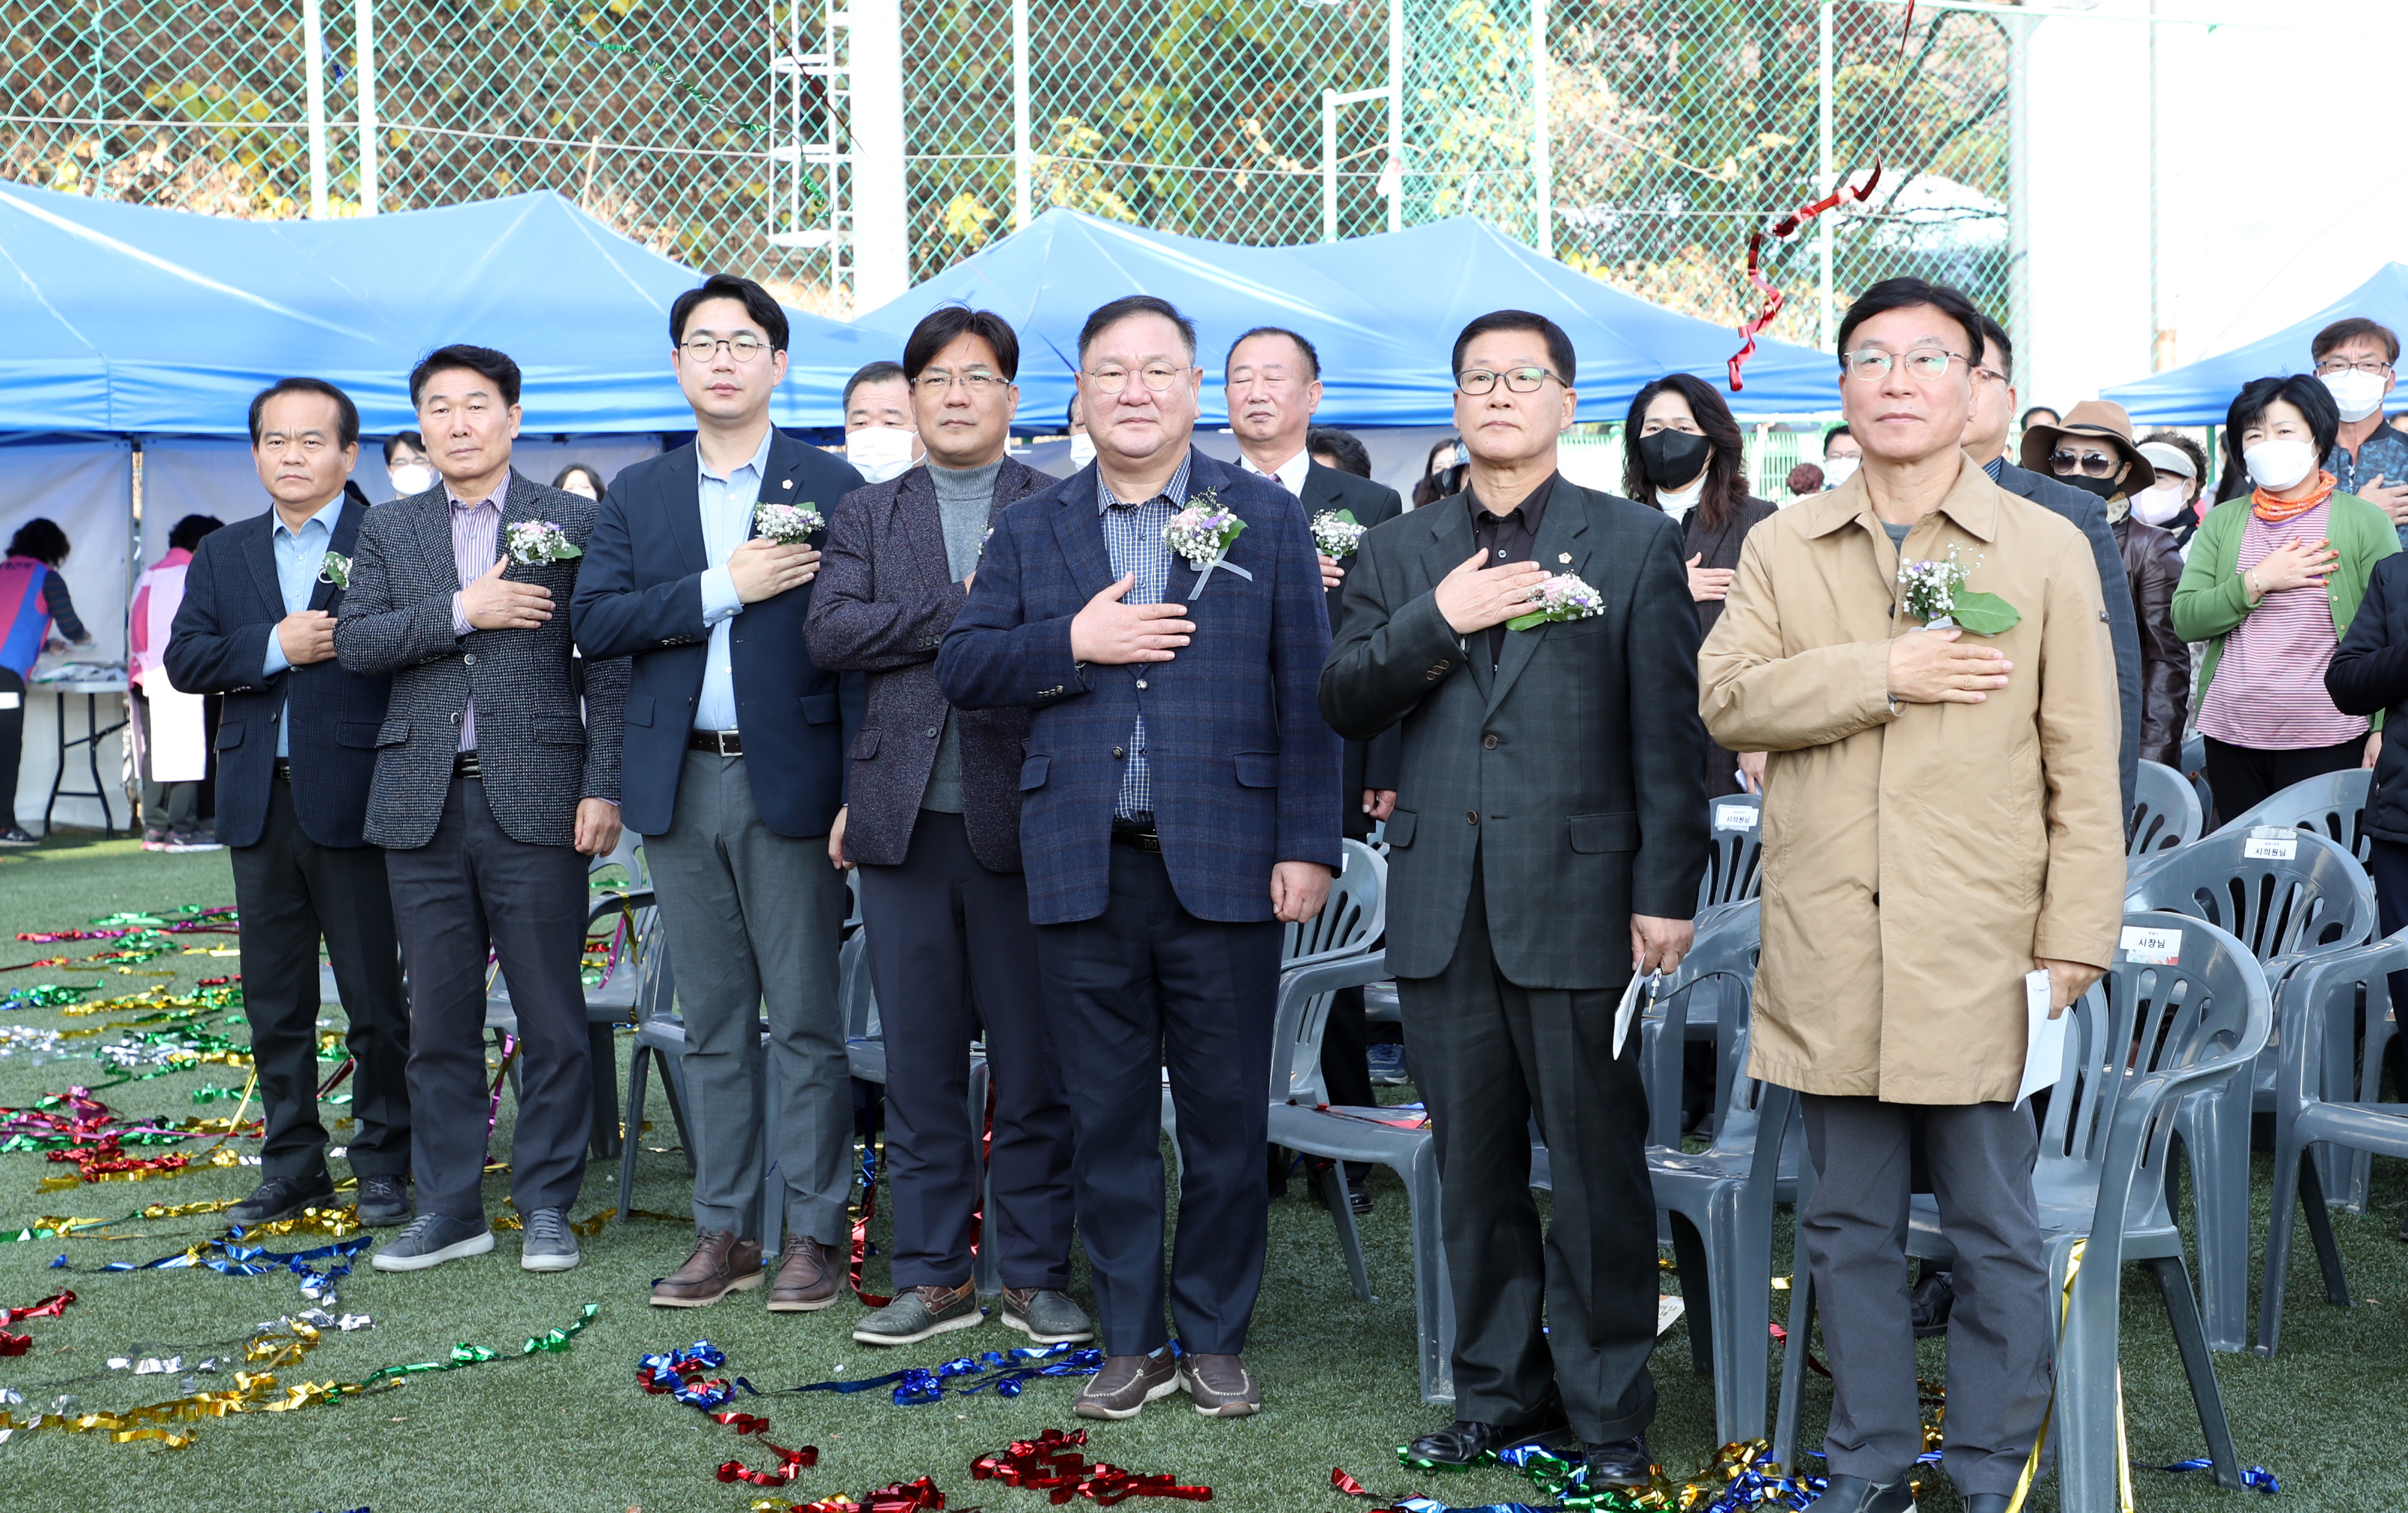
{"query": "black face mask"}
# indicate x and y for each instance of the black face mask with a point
(1673, 459)
(2103, 487)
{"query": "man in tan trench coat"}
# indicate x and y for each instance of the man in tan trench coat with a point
(1942, 816)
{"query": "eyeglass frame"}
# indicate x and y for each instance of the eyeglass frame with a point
(1104, 383)
(2326, 368)
(1891, 359)
(692, 347)
(1506, 378)
(943, 382)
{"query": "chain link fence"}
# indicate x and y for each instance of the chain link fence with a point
(714, 130)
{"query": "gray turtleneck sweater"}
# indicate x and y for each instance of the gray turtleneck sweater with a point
(965, 499)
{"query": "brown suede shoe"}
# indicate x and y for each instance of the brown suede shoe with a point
(721, 1264)
(1220, 1386)
(1126, 1383)
(807, 1279)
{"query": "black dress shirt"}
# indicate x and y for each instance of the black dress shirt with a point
(1510, 537)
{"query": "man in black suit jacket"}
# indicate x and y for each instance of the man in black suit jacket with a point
(734, 774)
(1273, 382)
(1549, 833)
(933, 820)
(492, 788)
(296, 750)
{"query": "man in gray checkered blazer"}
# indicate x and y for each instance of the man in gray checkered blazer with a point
(492, 788)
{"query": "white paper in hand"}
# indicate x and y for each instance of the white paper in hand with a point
(2044, 1038)
(1627, 1009)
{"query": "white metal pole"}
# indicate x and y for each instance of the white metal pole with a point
(2159, 358)
(1328, 165)
(1396, 115)
(313, 43)
(882, 228)
(1021, 165)
(1826, 318)
(2019, 311)
(364, 72)
(1541, 171)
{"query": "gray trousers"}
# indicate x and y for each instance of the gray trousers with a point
(753, 919)
(2002, 1331)
(469, 890)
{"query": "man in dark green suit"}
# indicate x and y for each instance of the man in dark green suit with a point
(1549, 832)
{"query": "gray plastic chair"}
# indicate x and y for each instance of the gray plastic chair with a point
(1734, 833)
(2144, 1039)
(2284, 910)
(2165, 812)
(608, 1005)
(2331, 804)
(2194, 770)
(2318, 1011)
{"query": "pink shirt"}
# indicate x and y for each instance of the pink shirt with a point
(140, 655)
(476, 540)
(2269, 690)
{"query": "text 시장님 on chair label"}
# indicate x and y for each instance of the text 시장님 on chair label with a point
(2152, 948)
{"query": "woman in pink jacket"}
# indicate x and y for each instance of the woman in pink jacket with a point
(170, 727)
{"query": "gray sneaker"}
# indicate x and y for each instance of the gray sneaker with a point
(549, 1244)
(921, 1313)
(433, 1239)
(1127, 1383)
(1046, 1315)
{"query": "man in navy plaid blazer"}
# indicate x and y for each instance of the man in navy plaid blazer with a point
(1180, 801)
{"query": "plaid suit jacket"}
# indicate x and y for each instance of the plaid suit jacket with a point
(1571, 771)
(540, 752)
(1245, 773)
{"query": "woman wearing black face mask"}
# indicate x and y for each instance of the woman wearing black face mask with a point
(1683, 455)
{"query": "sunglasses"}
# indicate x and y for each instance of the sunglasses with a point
(2096, 465)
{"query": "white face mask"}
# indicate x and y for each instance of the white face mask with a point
(878, 453)
(1837, 470)
(410, 478)
(1082, 449)
(2279, 463)
(2156, 506)
(2357, 395)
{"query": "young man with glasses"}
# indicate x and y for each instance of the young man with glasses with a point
(1180, 801)
(734, 774)
(1549, 832)
(2356, 360)
(932, 819)
(1940, 822)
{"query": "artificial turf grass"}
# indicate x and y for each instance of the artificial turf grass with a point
(572, 1429)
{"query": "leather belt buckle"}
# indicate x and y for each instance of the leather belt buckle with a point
(722, 743)
(1145, 837)
(465, 765)
(283, 769)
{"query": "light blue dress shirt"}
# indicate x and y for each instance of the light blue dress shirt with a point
(726, 522)
(299, 556)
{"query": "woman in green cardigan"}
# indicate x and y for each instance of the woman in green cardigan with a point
(2273, 579)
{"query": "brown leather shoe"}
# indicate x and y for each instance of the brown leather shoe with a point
(721, 1264)
(807, 1279)
(1126, 1384)
(1220, 1386)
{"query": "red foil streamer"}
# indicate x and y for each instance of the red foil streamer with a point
(1344, 1483)
(1055, 1463)
(861, 1237)
(50, 1308)
(789, 1462)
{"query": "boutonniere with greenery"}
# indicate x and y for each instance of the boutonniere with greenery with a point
(537, 542)
(1563, 596)
(1202, 534)
(788, 525)
(336, 570)
(1935, 594)
(1335, 533)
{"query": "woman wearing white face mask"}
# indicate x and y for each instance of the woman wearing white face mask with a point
(2274, 580)
(2175, 502)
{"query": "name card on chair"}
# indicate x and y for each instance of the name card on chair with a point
(2152, 948)
(1735, 817)
(2271, 843)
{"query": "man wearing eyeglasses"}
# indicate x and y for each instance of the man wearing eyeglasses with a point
(1180, 801)
(1548, 836)
(2354, 358)
(734, 774)
(932, 818)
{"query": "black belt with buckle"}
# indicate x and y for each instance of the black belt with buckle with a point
(465, 765)
(283, 769)
(1138, 834)
(725, 743)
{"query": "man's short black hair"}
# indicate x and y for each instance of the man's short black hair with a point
(1103, 317)
(1312, 358)
(1559, 343)
(189, 532)
(347, 414)
(880, 371)
(948, 324)
(1995, 335)
(493, 366)
(1834, 433)
(758, 303)
(1341, 446)
(2351, 329)
(1908, 293)
(412, 439)
(2308, 395)
(41, 540)
(2050, 410)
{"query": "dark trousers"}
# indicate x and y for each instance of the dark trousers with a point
(468, 892)
(291, 891)
(2389, 865)
(2244, 777)
(951, 948)
(12, 740)
(170, 807)
(1346, 1051)
(1572, 1311)
(2003, 1325)
(1142, 987)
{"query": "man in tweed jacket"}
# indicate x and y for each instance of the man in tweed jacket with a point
(492, 788)
(1180, 801)
(1549, 831)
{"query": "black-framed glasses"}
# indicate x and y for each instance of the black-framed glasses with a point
(1928, 364)
(1480, 380)
(2095, 464)
(744, 347)
(1158, 377)
(977, 382)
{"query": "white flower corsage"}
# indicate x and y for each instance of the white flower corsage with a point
(788, 525)
(1202, 534)
(336, 570)
(1562, 597)
(1935, 592)
(1334, 532)
(537, 542)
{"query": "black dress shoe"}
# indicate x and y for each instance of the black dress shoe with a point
(1854, 1494)
(383, 1202)
(1930, 1303)
(280, 1197)
(1467, 1440)
(1621, 1463)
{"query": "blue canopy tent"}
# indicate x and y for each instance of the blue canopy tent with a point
(119, 318)
(1382, 311)
(2200, 392)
